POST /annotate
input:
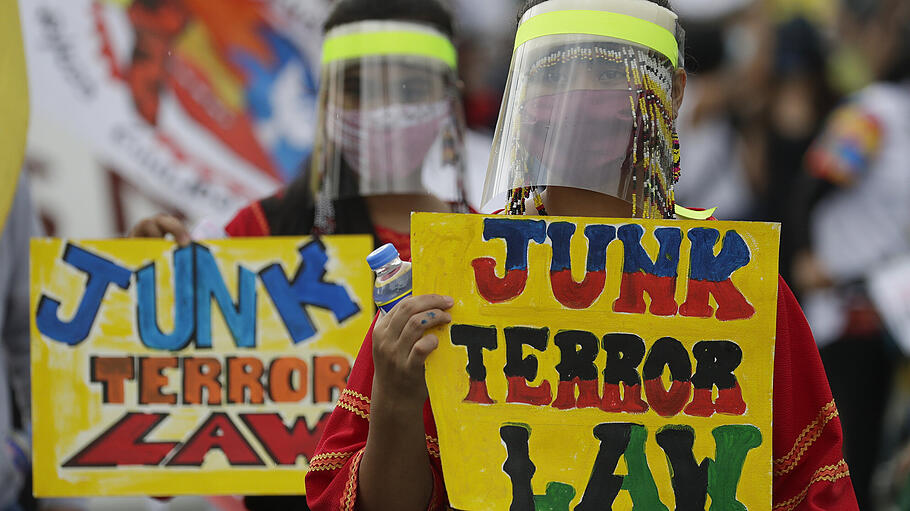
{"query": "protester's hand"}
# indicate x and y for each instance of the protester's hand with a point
(401, 346)
(159, 226)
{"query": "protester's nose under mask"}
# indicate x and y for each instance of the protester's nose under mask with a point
(584, 132)
(388, 144)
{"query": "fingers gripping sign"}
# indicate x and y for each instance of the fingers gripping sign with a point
(160, 226)
(401, 344)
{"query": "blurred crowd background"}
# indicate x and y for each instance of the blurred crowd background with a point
(797, 111)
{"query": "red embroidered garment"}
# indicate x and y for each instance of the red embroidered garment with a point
(809, 471)
(402, 241)
(251, 221)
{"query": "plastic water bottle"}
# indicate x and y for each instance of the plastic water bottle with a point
(393, 277)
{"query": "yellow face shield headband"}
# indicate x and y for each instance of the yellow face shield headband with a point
(375, 38)
(601, 23)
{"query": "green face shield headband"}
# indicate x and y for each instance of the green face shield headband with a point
(614, 25)
(377, 38)
(638, 22)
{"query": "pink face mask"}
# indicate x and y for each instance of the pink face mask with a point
(387, 145)
(582, 131)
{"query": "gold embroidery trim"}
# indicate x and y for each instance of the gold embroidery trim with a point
(329, 461)
(355, 403)
(350, 488)
(331, 455)
(326, 467)
(354, 410)
(830, 473)
(432, 446)
(357, 395)
(805, 440)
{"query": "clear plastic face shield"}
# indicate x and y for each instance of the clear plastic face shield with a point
(390, 117)
(589, 105)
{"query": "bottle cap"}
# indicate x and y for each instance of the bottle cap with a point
(382, 256)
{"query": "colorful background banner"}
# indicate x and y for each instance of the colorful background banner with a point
(592, 361)
(210, 369)
(202, 106)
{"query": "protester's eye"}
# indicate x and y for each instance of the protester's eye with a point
(612, 75)
(415, 89)
(553, 76)
(352, 86)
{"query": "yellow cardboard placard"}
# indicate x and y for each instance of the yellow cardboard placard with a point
(210, 369)
(597, 361)
(13, 104)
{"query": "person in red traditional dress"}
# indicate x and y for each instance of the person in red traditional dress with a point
(570, 142)
(390, 141)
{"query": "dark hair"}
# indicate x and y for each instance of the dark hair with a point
(430, 12)
(704, 47)
(899, 70)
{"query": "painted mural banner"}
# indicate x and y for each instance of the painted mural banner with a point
(602, 364)
(205, 105)
(208, 369)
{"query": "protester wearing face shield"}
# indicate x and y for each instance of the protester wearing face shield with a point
(586, 129)
(390, 132)
(390, 136)
(390, 116)
(643, 186)
(390, 139)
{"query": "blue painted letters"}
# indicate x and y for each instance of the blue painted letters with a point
(101, 273)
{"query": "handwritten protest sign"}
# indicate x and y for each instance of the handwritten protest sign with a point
(209, 369)
(595, 362)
